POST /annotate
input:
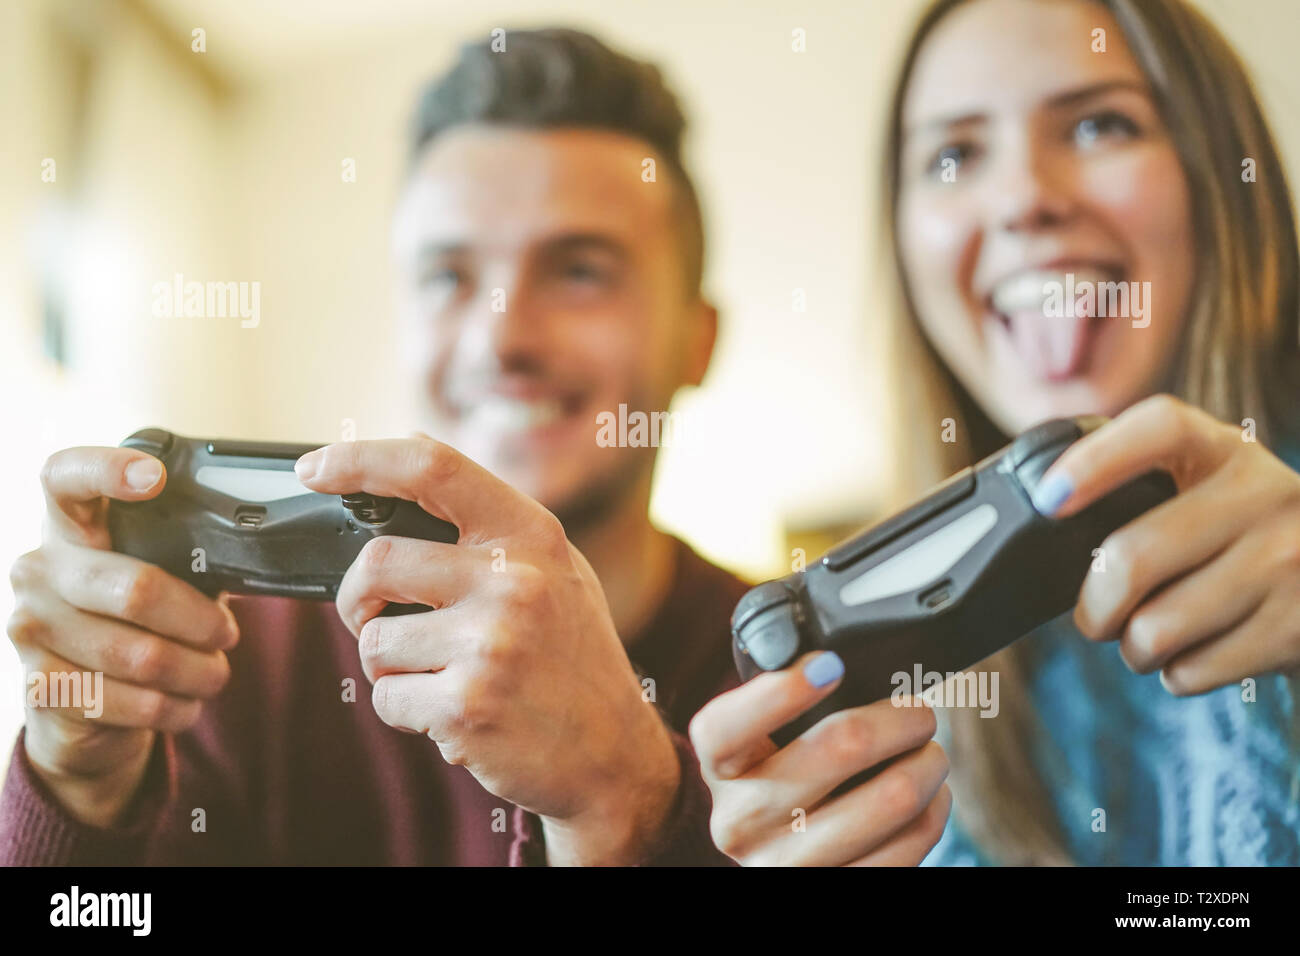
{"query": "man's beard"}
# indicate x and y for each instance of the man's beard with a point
(597, 502)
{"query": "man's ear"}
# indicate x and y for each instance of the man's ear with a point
(703, 334)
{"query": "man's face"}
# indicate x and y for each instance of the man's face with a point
(541, 283)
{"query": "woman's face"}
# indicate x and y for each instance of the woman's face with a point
(1032, 166)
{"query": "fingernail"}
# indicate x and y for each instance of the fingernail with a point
(143, 473)
(824, 669)
(306, 465)
(1052, 493)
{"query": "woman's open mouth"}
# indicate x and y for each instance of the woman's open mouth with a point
(1052, 326)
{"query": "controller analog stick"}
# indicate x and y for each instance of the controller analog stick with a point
(370, 508)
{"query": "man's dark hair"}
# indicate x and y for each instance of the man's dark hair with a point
(565, 78)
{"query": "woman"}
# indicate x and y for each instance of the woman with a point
(1056, 144)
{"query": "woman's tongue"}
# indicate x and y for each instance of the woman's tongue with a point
(1052, 346)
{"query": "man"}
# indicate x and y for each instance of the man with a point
(545, 279)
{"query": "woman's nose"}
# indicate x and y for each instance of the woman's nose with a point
(1031, 189)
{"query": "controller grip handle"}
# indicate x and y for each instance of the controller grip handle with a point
(842, 698)
(767, 626)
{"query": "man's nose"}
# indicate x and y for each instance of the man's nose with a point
(1032, 186)
(506, 317)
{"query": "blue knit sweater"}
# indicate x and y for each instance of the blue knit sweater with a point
(1212, 780)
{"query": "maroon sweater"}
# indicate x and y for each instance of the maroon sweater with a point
(288, 772)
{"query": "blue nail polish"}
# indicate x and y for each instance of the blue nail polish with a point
(825, 668)
(1051, 494)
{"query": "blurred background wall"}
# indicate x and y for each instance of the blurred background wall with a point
(225, 165)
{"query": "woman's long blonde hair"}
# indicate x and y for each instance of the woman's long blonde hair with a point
(1239, 358)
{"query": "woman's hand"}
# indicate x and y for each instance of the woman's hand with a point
(773, 806)
(1204, 588)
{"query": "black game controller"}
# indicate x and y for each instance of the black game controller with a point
(959, 575)
(234, 517)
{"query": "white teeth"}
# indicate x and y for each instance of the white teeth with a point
(1026, 291)
(498, 413)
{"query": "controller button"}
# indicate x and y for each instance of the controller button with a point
(756, 600)
(956, 488)
(155, 441)
(250, 516)
(770, 634)
(1059, 431)
(370, 508)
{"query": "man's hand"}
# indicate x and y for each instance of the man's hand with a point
(80, 609)
(517, 673)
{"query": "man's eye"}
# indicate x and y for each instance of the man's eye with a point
(950, 158)
(1104, 125)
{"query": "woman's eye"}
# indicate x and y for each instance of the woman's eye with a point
(1099, 126)
(949, 158)
(444, 277)
(582, 272)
